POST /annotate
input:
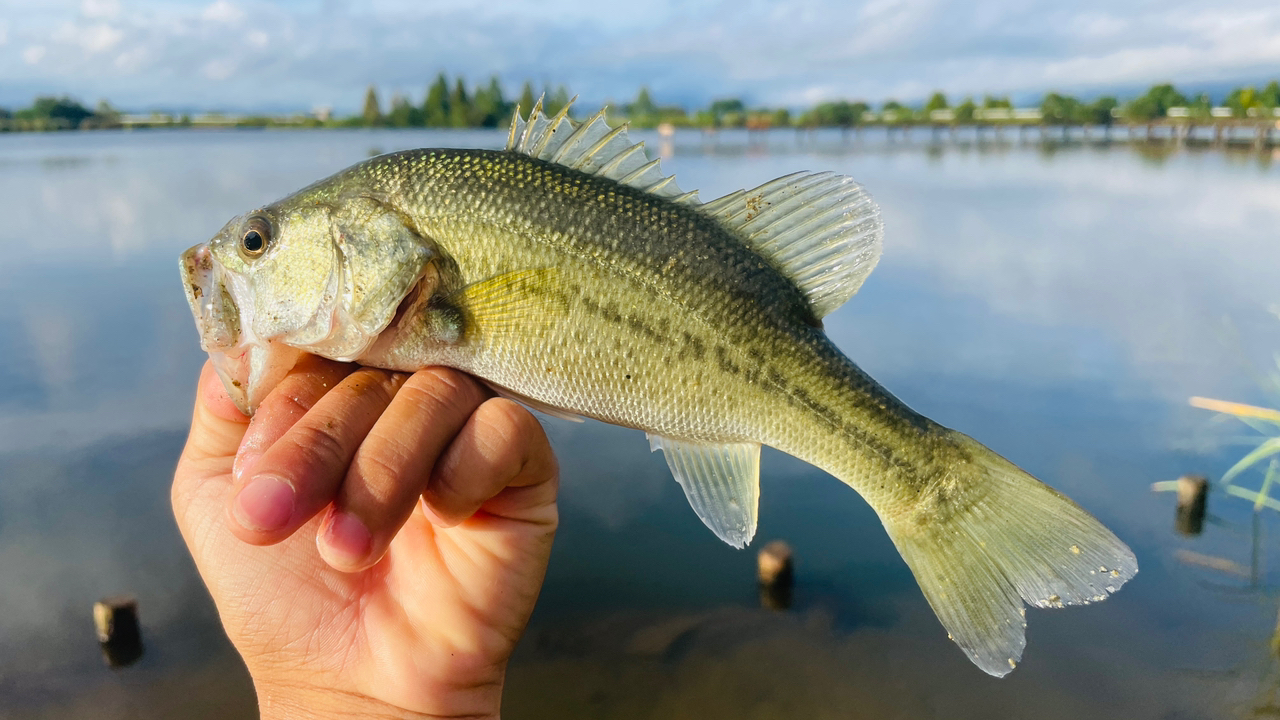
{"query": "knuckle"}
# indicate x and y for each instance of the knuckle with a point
(320, 447)
(439, 393)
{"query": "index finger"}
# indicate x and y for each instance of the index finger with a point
(300, 390)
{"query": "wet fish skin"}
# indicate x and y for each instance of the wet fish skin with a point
(583, 294)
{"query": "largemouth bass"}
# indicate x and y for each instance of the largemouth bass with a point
(567, 272)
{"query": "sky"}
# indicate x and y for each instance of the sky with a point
(292, 55)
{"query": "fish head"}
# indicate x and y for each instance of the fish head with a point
(310, 274)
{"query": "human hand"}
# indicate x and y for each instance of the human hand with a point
(378, 545)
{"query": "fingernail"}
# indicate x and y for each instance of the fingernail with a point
(244, 464)
(348, 539)
(265, 504)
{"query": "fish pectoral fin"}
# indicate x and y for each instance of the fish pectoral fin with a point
(721, 481)
(520, 300)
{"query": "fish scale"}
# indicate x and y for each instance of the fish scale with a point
(568, 272)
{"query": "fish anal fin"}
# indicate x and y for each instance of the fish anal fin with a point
(721, 482)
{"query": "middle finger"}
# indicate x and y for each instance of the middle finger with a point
(300, 473)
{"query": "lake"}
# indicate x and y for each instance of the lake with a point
(1059, 304)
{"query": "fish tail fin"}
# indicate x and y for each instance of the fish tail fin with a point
(987, 538)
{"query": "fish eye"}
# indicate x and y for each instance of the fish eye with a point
(257, 236)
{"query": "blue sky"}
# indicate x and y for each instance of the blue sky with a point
(298, 54)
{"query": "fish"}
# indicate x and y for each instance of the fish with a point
(568, 272)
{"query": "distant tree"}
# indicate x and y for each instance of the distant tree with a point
(1155, 103)
(459, 106)
(841, 113)
(402, 114)
(1270, 95)
(489, 108)
(53, 113)
(894, 112)
(1099, 112)
(556, 101)
(527, 99)
(781, 118)
(372, 110)
(937, 101)
(966, 111)
(991, 102)
(1240, 100)
(1058, 109)
(1200, 106)
(728, 113)
(435, 107)
(643, 105)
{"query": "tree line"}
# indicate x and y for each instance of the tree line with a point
(451, 104)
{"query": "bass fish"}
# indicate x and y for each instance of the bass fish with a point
(569, 273)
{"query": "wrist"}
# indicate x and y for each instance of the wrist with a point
(282, 701)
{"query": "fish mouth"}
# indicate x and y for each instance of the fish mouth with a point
(248, 366)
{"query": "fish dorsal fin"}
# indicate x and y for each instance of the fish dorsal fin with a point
(721, 482)
(820, 229)
(592, 147)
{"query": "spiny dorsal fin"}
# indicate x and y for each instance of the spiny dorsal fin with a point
(821, 229)
(721, 482)
(592, 147)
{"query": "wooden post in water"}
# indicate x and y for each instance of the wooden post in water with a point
(119, 633)
(1193, 498)
(775, 570)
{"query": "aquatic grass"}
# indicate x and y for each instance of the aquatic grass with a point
(1262, 420)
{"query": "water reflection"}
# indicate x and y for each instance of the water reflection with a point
(1059, 305)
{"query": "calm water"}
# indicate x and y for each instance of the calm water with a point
(1058, 306)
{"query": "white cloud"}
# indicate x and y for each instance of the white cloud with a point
(100, 8)
(4, 33)
(219, 69)
(97, 38)
(796, 52)
(222, 11)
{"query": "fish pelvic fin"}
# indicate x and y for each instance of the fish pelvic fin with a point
(987, 538)
(820, 229)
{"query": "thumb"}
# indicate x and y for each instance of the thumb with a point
(217, 426)
(204, 470)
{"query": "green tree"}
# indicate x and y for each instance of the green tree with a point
(841, 113)
(435, 107)
(556, 101)
(1270, 96)
(1201, 106)
(53, 113)
(894, 112)
(990, 102)
(489, 108)
(966, 111)
(642, 112)
(1155, 103)
(1058, 109)
(937, 101)
(527, 99)
(372, 110)
(1099, 112)
(402, 113)
(459, 106)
